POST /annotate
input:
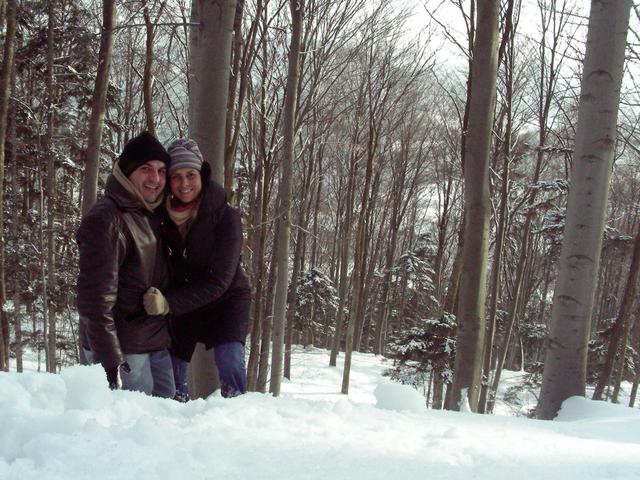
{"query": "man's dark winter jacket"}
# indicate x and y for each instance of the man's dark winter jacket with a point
(120, 258)
(209, 294)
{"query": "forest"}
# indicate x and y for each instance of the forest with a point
(404, 172)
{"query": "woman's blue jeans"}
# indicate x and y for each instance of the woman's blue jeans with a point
(229, 358)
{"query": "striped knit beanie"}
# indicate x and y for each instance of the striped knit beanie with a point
(184, 154)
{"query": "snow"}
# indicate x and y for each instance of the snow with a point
(70, 426)
(395, 396)
(8, 306)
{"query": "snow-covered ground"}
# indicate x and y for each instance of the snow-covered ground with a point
(70, 426)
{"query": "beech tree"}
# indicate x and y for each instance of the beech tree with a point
(565, 364)
(5, 89)
(620, 331)
(98, 106)
(284, 197)
(553, 23)
(209, 86)
(471, 324)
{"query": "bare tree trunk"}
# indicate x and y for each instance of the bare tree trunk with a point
(5, 91)
(384, 307)
(147, 78)
(495, 275)
(209, 78)
(471, 324)
(359, 255)
(316, 210)
(546, 86)
(372, 285)
(267, 326)
(545, 293)
(292, 299)
(620, 362)
(51, 193)
(98, 106)
(344, 260)
(43, 275)
(298, 258)
(257, 360)
(620, 327)
(566, 361)
(210, 51)
(17, 317)
(258, 271)
(242, 61)
(634, 388)
(284, 194)
(443, 221)
(453, 288)
(506, 45)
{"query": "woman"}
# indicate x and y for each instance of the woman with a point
(209, 297)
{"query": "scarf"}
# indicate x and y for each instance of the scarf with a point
(182, 214)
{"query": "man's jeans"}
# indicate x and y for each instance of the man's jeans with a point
(229, 359)
(151, 373)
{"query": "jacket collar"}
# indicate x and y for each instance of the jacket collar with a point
(120, 195)
(213, 199)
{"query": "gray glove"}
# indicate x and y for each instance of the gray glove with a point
(154, 302)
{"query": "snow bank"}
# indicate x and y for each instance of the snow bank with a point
(70, 426)
(395, 396)
(598, 419)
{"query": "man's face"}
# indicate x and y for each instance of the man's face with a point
(150, 179)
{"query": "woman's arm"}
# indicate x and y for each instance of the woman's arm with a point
(188, 298)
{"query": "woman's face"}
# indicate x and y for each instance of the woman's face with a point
(185, 184)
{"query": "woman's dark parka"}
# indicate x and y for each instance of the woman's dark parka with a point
(209, 296)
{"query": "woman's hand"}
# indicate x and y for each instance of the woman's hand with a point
(154, 302)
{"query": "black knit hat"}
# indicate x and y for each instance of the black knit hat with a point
(140, 150)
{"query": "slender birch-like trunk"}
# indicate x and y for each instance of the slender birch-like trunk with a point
(618, 340)
(284, 194)
(98, 106)
(471, 321)
(5, 90)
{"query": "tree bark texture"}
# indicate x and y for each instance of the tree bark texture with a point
(506, 45)
(621, 325)
(147, 78)
(98, 106)
(210, 52)
(284, 200)
(471, 322)
(344, 240)
(565, 366)
(51, 192)
(210, 59)
(5, 91)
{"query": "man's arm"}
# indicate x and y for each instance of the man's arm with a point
(102, 249)
(226, 257)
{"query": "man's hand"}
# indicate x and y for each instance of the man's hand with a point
(113, 377)
(154, 302)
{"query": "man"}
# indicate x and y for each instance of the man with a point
(120, 258)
